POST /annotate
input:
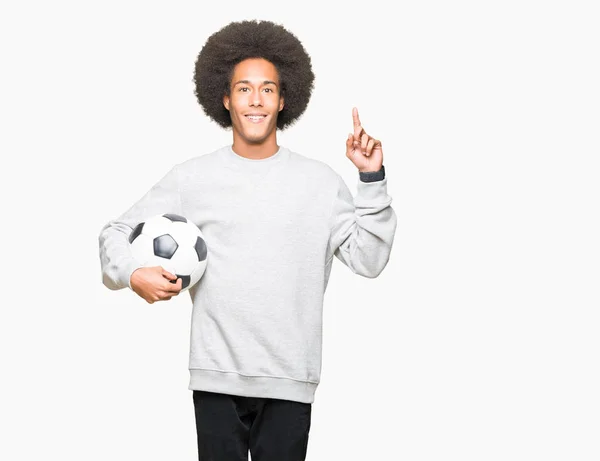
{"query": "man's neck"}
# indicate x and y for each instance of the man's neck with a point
(255, 151)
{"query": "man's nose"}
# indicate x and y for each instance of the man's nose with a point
(256, 99)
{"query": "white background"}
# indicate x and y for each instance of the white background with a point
(479, 341)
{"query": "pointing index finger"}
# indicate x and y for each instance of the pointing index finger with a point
(355, 117)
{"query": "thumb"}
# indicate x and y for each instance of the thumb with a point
(349, 142)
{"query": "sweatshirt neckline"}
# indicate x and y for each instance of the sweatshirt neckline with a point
(277, 156)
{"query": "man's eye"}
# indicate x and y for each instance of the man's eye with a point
(244, 88)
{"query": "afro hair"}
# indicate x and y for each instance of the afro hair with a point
(238, 41)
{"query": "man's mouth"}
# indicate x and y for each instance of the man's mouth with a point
(256, 118)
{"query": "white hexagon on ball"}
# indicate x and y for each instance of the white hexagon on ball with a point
(172, 242)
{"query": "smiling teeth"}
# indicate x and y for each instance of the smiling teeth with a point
(255, 117)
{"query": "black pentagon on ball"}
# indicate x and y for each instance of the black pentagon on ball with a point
(174, 217)
(185, 280)
(200, 248)
(165, 246)
(136, 232)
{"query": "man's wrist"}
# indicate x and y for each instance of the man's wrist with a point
(131, 276)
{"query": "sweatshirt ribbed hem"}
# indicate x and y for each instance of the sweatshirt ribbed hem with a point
(252, 386)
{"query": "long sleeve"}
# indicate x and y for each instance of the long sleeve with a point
(362, 228)
(117, 262)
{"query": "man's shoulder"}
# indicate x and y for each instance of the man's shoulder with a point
(196, 166)
(312, 166)
(201, 159)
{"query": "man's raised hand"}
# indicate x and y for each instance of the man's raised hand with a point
(363, 150)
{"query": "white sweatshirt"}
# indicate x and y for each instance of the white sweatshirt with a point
(272, 227)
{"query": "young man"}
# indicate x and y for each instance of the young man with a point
(273, 220)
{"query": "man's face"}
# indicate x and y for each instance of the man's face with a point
(255, 100)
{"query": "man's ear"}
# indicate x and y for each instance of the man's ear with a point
(226, 101)
(281, 103)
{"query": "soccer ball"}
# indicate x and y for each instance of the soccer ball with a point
(173, 242)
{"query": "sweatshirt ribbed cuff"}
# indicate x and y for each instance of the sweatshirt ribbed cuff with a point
(372, 176)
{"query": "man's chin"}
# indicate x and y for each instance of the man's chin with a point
(255, 140)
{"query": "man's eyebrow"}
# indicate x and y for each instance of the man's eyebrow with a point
(247, 82)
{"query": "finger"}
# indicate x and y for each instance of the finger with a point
(174, 286)
(363, 142)
(163, 294)
(370, 145)
(355, 118)
(358, 128)
(168, 275)
(351, 146)
(358, 132)
(377, 146)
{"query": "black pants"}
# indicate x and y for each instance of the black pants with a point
(229, 425)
